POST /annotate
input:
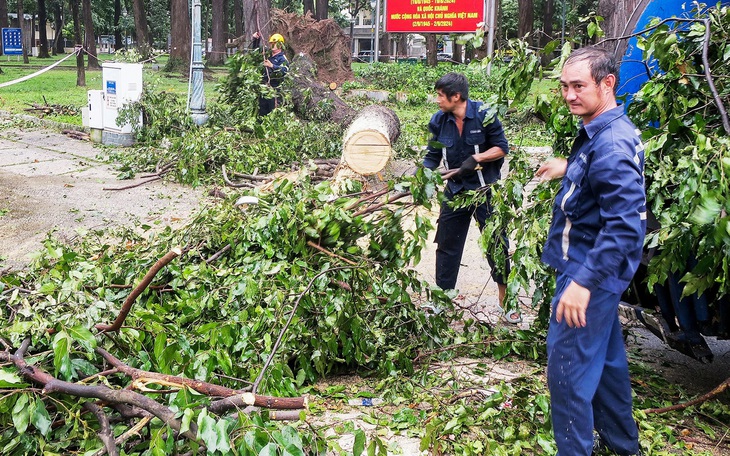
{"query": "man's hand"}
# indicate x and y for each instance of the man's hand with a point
(572, 305)
(467, 168)
(554, 168)
(268, 63)
(256, 35)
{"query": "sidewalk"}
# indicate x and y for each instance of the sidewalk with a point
(50, 182)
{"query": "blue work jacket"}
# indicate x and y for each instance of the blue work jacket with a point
(448, 146)
(275, 75)
(599, 216)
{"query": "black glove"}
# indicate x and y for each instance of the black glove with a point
(468, 167)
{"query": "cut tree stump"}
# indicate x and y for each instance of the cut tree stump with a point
(367, 143)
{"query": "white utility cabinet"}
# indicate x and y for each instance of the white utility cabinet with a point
(96, 109)
(122, 84)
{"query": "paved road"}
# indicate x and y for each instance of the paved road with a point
(50, 182)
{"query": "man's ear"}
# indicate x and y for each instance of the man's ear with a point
(610, 82)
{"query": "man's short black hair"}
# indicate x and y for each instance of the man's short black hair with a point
(601, 62)
(452, 83)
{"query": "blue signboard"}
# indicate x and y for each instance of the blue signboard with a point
(111, 87)
(12, 41)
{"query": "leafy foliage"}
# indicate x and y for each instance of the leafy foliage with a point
(687, 150)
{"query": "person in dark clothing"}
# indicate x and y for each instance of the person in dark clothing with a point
(595, 244)
(276, 66)
(472, 148)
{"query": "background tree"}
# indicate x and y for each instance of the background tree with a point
(238, 17)
(80, 74)
(219, 31)
(526, 17)
(117, 30)
(180, 31)
(308, 6)
(23, 31)
(142, 28)
(42, 34)
(3, 16)
(89, 36)
(257, 18)
(322, 9)
(58, 22)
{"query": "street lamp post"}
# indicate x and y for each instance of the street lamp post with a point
(197, 99)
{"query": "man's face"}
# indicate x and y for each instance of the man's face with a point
(445, 103)
(584, 97)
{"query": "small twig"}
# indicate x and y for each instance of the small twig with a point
(134, 185)
(127, 306)
(375, 207)
(286, 325)
(134, 430)
(236, 184)
(705, 397)
(219, 253)
(332, 254)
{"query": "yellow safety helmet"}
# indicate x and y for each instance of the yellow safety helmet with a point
(276, 38)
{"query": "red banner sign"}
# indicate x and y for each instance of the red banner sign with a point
(433, 16)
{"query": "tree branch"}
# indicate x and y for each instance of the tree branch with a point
(127, 306)
(105, 431)
(705, 397)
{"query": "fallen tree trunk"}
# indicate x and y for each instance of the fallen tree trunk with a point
(367, 143)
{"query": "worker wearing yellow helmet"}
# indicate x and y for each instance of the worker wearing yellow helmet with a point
(276, 66)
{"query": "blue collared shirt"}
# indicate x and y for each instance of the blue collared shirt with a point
(448, 146)
(599, 216)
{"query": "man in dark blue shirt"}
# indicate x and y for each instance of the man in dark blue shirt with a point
(472, 148)
(594, 243)
(275, 68)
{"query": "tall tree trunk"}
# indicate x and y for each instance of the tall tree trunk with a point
(89, 36)
(42, 33)
(58, 19)
(219, 25)
(322, 9)
(526, 17)
(180, 34)
(117, 30)
(80, 72)
(308, 6)
(431, 43)
(23, 31)
(620, 18)
(456, 54)
(548, 15)
(4, 23)
(142, 28)
(238, 16)
(257, 18)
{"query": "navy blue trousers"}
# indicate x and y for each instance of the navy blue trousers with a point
(588, 378)
(453, 226)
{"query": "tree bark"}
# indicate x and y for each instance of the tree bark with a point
(42, 34)
(180, 31)
(23, 31)
(257, 18)
(322, 9)
(308, 7)
(620, 18)
(308, 93)
(526, 17)
(58, 21)
(117, 30)
(367, 143)
(4, 23)
(89, 37)
(142, 28)
(238, 17)
(80, 73)
(219, 24)
(431, 43)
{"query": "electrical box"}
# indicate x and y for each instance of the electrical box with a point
(122, 84)
(96, 109)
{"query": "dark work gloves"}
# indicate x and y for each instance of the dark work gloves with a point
(468, 166)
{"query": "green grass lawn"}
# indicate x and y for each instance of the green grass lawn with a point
(58, 85)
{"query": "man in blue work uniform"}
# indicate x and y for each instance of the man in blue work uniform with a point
(472, 148)
(275, 68)
(594, 243)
